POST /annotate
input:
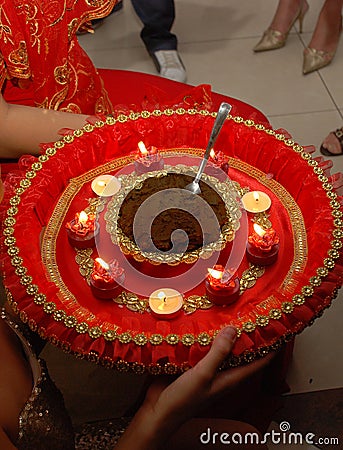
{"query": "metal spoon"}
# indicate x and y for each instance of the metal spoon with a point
(223, 112)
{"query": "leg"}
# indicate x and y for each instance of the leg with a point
(324, 41)
(328, 28)
(158, 17)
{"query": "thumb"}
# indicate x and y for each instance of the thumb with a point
(221, 348)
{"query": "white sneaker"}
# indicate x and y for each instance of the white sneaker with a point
(169, 65)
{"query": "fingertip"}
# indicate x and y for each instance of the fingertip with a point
(230, 332)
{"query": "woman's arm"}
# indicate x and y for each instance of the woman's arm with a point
(23, 128)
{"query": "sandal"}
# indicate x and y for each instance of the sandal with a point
(339, 135)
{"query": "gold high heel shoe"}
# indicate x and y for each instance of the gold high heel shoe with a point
(273, 39)
(317, 59)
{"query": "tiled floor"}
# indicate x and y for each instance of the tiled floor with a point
(215, 41)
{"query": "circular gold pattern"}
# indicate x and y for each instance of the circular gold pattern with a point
(122, 366)
(298, 299)
(110, 335)
(155, 369)
(140, 339)
(322, 272)
(275, 314)
(337, 213)
(138, 368)
(260, 127)
(188, 339)
(88, 128)
(16, 261)
(323, 179)
(156, 339)
(82, 327)
(307, 291)
(12, 211)
(32, 290)
(248, 327)
(36, 166)
(287, 307)
(110, 120)
(338, 234)
(20, 271)
(171, 369)
(14, 201)
(125, 338)
(338, 223)
(99, 124)
(39, 299)
(145, 114)
(172, 339)
(68, 138)
(335, 204)
(336, 244)
(9, 221)
(59, 315)
(25, 280)
(262, 321)
(333, 253)
(49, 307)
(10, 240)
(95, 332)
(78, 133)
(204, 339)
(249, 123)
(134, 116)
(12, 251)
(315, 281)
(52, 151)
(329, 263)
(8, 231)
(70, 321)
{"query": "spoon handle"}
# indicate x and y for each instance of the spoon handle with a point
(222, 114)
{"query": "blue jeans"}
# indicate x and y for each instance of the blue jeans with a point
(158, 18)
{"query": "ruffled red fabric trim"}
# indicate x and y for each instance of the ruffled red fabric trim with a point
(239, 140)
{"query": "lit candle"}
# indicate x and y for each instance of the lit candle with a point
(82, 230)
(165, 303)
(222, 288)
(147, 160)
(105, 185)
(256, 201)
(218, 165)
(106, 278)
(263, 246)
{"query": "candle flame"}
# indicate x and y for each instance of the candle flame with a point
(162, 296)
(83, 217)
(218, 274)
(212, 154)
(259, 230)
(102, 263)
(256, 196)
(142, 148)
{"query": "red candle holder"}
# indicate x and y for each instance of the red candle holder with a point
(106, 279)
(82, 230)
(221, 287)
(218, 166)
(263, 246)
(148, 160)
